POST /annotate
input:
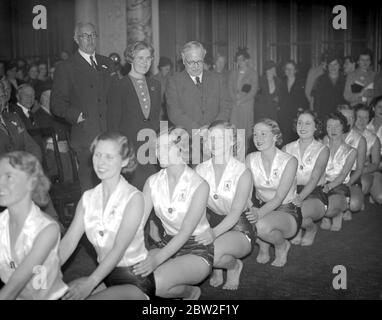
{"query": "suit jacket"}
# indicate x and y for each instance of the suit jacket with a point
(28, 122)
(125, 115)
(42, 119)
(191, 107)
(79, 88)
(17, 138)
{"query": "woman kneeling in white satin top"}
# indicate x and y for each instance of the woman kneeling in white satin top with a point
(354, 139)
(112, 215)
(276, 218)
(312, 158)
(29, 239)
(337, 176)
(230, 191)
(371, 177)
(179, 198)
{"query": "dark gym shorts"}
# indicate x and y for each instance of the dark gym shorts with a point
(287, 208)
(191, 247)
(317, 193)
(242, 225)
(125, 275)
(341, 189)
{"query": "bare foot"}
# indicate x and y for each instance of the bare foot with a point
(337, 222)
(325, 224)
(233, 276)
(309, 236)
(263, 257)
(281, 255)
(297, 239)
(194, 293)
(347, 215)
(216, 278)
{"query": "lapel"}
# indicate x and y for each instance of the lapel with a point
(83, 66)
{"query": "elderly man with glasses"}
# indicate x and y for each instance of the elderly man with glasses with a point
(80, 87)
(196, 97)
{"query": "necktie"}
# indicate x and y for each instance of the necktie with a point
(94, 65)
(31, 118)
(198, 83)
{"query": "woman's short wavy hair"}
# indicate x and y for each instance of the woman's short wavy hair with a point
(373, 104)
(364, 107)
(337, 115)
(179, 137)
(275, 129)
(226, 125)
(29, 164)
(133, 48)
(318, 133)
(126, 150)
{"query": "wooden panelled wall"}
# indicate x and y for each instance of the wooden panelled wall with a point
(275, 29)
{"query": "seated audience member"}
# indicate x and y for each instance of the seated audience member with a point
(11, 70)
(337, 174)
(112, 216)
(45, 82)
(231, 186)
(179, 197)
(371, 176)
(355, 139)
(45, 119)
(360, 83)
(29, 239)
(2, 70)
(375, 124)
(165, 67)
(32, 76)
(276, 217)
(25, 105)
(312, 158)
(116, 59)
(349, 65)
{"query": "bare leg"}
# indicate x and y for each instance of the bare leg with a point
(337, 204)
(312, 210)
(376, 188)
(263, 255)
(122, 292)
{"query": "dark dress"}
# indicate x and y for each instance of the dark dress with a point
(125, 116)
(328, 95)
(266, 103)
(290, 102)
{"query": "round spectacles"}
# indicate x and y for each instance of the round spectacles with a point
(88, 36)
(194, 63)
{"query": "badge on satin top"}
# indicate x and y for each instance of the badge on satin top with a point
(227, 185)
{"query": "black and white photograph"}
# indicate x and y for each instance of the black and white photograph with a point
(218, 151)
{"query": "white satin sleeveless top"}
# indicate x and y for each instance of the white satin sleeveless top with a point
(266, 187)
(378, 133)
(352, 139)
(307, 161)
(370, 138)
(221, 196)
(102, 227)
(336, 162)
(36, 289)
(172, 211)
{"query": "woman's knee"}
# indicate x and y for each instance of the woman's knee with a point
(263, 228)
(356, 203)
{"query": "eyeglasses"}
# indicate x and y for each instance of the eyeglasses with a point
(88, 36)
(194, 63)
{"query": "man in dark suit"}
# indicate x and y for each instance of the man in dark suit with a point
(25, 102)
(79, 94)
(196, 97)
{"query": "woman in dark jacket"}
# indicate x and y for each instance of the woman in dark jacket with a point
(267, 99)
(292, 99)
(135, 104)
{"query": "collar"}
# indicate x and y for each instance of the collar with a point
(87, 56)
(194, 77)
(25, 110)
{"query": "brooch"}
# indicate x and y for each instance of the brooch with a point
(227, 185)
(103, 66)
(182, 196)
(275, 173)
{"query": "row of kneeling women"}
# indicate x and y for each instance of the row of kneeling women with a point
(212, 214)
